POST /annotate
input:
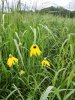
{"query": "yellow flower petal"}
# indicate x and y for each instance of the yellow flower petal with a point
(11, 61)
(15, 59)
(34, 50)
(45, 63)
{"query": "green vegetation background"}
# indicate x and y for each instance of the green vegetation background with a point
(56, 39)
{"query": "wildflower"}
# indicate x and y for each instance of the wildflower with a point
(11, 61)
(45, 63)
(34, 50)
(21, 72)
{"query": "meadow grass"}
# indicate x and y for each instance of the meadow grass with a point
(55, 37)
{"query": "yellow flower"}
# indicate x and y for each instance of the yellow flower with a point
(15, 60)
(21, 72)
(11, 61)
(34, 50)
(45, 63)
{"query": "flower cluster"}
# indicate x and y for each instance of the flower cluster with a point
(34, 51)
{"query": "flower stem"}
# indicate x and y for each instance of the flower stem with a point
(34, 36)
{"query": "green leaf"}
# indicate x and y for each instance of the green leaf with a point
(68, 95)
(46, 93)
(17, 47)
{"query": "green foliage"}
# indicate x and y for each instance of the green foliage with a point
(58, 11)
(55, 37)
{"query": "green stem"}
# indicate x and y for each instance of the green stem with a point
(34, 36)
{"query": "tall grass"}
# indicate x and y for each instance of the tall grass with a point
(56, 38)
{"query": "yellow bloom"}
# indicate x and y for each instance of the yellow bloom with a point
(45, 63)
(34, 50)
(15, 60)
(11, 61)
(21, 72)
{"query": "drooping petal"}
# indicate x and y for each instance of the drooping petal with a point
(12, 61)
(45, 63)
(34, 50)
